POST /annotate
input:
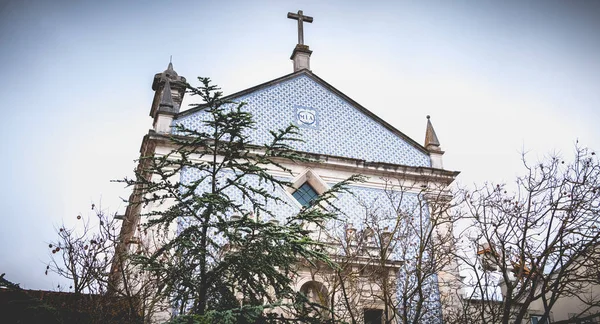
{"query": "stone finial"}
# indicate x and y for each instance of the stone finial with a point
(431, 140)
(176, 84)
(169, 89)
(350, 232)
(169, 71)
(432, 144)
(166, 99)
(168, 74)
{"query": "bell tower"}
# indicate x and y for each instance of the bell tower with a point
(169, 89)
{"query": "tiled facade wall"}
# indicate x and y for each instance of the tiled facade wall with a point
(329, 125)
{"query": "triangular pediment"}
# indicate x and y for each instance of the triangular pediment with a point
(331, 123)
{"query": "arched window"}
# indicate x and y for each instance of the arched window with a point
(316, 293)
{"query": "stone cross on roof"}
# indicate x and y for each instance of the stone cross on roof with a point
(301, 18)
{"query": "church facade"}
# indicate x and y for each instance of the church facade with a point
(376, 239)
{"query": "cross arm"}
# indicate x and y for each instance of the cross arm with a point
(295, 16)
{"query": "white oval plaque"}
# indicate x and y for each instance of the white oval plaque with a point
(306, 117)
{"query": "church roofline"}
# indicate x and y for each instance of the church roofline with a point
(329, 87)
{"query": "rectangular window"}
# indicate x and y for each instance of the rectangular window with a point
(537, 319)
(305, 194)
(373, 316)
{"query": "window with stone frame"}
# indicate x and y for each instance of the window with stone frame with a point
(305, 194)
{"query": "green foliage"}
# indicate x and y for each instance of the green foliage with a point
(241, 281)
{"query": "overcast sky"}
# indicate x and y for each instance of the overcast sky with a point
(75, 87)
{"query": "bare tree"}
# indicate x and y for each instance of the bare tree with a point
(396, 258)
(84, 256)
(532, 249)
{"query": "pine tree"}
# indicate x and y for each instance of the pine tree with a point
(226, 263)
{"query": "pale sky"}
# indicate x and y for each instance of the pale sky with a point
(496, 77)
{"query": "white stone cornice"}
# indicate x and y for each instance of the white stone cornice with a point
(335, 169)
